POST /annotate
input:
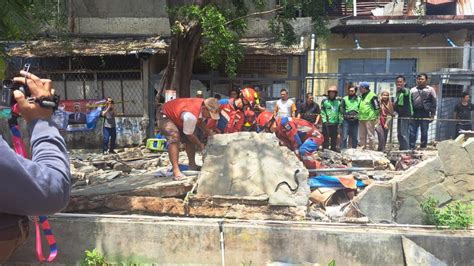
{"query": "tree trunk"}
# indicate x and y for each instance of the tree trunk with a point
(182, 51)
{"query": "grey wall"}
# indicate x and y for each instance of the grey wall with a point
(165, 240)
(148, 17)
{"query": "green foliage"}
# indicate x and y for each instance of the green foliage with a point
(332, 263)
(23, 19)
(223, 26)
(455, 215)
(93, 258)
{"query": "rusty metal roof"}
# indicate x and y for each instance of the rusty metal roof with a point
(395, 24)
(126, 46)
(89, 47)
(265, 46)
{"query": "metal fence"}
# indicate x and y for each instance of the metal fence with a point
(93, 77)
(450, 71)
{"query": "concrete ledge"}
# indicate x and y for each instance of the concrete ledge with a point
(149, 239)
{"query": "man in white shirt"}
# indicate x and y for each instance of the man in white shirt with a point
(285, 107)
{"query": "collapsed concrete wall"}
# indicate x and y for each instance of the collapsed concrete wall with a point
(251, 164)
(447, 177)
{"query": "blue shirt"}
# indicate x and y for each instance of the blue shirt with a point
(39, 186)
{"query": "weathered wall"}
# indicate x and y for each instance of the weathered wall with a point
(148, 17)
(109, 17)
(427, 60)
(130, 131)
(147, 239)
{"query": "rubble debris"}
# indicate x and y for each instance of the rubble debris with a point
(446, 177)
(253, 164)
(367, 158)
(332, 159)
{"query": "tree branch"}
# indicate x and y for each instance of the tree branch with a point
(254, 14)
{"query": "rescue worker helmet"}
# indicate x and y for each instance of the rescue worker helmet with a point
(249, 95)
(264, 119)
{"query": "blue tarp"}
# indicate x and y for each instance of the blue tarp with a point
(329, 181)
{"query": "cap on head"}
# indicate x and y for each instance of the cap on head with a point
(333, 89)
(212, 104)
(364, 84)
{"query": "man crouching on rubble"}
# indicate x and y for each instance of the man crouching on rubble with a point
(177, 120)
(298, 135)
(39, 186)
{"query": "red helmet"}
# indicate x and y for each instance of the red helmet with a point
(250, 95)
(264, 118)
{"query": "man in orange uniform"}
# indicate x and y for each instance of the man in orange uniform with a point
(298, 135)
(233, 112)
(177, 120)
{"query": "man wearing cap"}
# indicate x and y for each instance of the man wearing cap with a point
(332, 118)
(177, 120)
(368, 114)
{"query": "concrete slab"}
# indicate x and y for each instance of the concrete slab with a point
(417, 256)
(252, 164)
(165, 240)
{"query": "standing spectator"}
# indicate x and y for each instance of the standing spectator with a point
(462, 111)
(234, 94)
(350, 112)
(404, 108)
(385, 119)
(310, 110)
(424, 110)
(332, 117)
(285, 107)
(368, 114)
(110, 131)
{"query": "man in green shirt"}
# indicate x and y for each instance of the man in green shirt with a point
(368, 114)
(350, 111)
(332, 118)
(403, 107)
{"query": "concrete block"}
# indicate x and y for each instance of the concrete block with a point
(417, 180)
(251, 164)
(416, 255)
(376, 202)
(469, 147)
(438, 192)
(455, 158)
(460, 187)
(409, 211)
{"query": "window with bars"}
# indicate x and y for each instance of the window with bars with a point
(264, 65)
(124, 87)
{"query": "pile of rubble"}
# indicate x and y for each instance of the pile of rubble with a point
(445, 177)
(249, 176)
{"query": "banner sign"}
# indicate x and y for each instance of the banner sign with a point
(78, 115)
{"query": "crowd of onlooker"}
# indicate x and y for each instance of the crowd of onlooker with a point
(361, 118)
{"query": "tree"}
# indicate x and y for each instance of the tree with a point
(26, 19)
(212, 29)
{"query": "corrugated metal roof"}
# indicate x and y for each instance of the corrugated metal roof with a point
(403, 24)
(88, 47)
(125, 46)
(262, 46)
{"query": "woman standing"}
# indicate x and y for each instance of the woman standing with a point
(385, 119)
